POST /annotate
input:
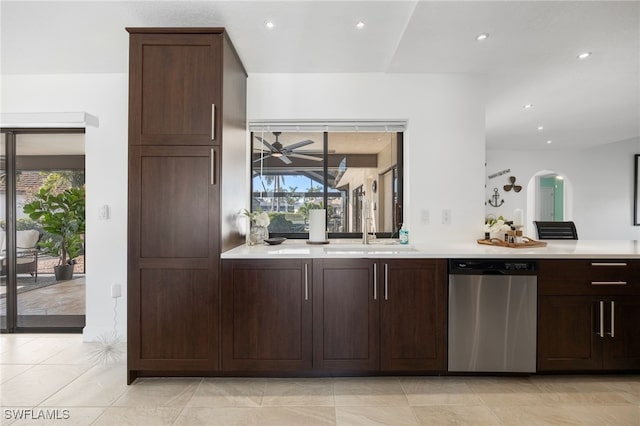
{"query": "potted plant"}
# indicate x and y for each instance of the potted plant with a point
(63, 216)
(258, 226)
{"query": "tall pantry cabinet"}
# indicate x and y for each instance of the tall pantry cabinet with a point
(187, 155)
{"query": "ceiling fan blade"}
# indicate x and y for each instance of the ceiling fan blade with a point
(285, 159)
(297, 145)
(267, 144)
(264, 157)
(305, 157)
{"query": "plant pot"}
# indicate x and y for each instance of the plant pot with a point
(257, 234)
(63, 272)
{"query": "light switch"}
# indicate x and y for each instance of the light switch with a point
(104, 213)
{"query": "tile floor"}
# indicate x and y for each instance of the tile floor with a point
(56, 376)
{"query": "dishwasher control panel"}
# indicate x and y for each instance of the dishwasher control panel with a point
(487, 267)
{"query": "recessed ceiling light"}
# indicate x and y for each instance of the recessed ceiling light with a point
(269, 25)
(540, 127)
(549, 141)
(527, 106)
(584, 55)
(360, 25)
(482, 36)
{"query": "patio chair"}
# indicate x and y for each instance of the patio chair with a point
(556, 230)
(26, 252)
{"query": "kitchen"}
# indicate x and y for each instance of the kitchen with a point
(445, 112)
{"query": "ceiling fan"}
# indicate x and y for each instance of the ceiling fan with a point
(277, 150)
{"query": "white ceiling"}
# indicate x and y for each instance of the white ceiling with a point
(529, 57)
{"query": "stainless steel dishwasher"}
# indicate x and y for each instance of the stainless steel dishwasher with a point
(492, 315)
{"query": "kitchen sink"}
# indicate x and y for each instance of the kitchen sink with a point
(370, 249)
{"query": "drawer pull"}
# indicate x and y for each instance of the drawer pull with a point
(608, 283)
(608, 264)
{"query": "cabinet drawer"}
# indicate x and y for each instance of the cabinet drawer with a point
(588, 276)
(562, 269)
(607, 272)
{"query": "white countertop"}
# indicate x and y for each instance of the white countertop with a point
(345, 248)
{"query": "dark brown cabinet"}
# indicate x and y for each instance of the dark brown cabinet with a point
(173, 285)
(176, 81)
(266, 315)
(346, 315)
(372, 315)
(413, 316)
(588, 315)
(183, 178)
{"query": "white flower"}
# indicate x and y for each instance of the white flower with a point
(497, 229)
(262, 219)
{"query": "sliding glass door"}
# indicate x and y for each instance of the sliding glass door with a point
(3, 222)
(46, 174)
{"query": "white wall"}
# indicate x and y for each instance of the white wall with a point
(601, 180)
(444, 157)
(105, 96)
(444, 146)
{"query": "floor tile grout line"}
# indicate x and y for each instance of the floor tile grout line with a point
(186, 405)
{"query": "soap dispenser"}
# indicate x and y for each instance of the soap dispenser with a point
(404, 234)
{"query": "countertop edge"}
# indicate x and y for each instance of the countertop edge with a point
(575, 249)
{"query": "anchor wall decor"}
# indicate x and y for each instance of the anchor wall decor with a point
(495, 200)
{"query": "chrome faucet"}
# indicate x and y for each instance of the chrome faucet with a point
(364, 210)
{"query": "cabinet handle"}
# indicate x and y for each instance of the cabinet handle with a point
(306, 281)
(375, 281)
(213, 166)
(613, 326)
(608, 283)
(608, 264)
(213, 122)
(601, 332)
(386, 281)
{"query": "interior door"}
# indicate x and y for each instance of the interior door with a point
(547, 203)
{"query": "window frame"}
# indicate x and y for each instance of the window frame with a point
(398, 171)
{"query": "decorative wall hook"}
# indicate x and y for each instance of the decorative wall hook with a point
(495, 200)
(516, 188)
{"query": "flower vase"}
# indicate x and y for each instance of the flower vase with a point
(258, 234)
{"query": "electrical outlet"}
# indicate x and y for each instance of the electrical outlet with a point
(116, 291)
(424, 216)
(446, 217)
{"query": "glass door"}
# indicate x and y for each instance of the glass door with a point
(43, 227)
(3, 224)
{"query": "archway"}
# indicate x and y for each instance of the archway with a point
(534, 204)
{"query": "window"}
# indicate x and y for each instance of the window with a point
(294, 171)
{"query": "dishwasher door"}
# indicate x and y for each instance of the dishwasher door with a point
(492, 323)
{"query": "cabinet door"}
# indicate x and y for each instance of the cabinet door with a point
(266, 315)
(172, 259)
(622, 344)
(569, 333)
(174, 81)
(345, 315)
(413, 315)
